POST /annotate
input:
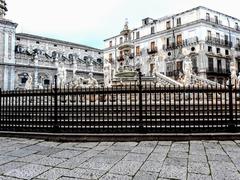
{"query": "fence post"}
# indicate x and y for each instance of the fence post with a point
(55, 127)
(231, 125)
(141, 129)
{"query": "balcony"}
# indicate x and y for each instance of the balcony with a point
(218, 42)
(179, 44)
(217, 71)
(213, 20)
(153, 50)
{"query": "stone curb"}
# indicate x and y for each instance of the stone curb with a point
(71, 137)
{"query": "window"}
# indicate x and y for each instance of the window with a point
(152, 30)
(210, 64)
(227, 65)
(179, 40)
(110, 43)
(55, 45)
(121, 40)
(237, 41)
(110, 57)
(138, 53)
(236, 26)
(179, 22)
(71, 47)
(219, 65)
(86, 50)
(207, 16)
(209, 48)
(138, 35)
(37, 42)
(226, 52)
(226, 39)
(168, 42)
(216, 19)
(218, 36)
(168, 25)
(18, 38)
(153, 45)
(46, 82)
(209, 34)
(218, 50)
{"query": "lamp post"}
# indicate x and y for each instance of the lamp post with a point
(141, 130)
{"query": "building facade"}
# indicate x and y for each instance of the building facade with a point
(24, 54)
(208, 37)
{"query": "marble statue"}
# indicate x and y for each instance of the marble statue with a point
(92, 82)
(28, 84)
(107, 70)
(187, 71)
(77, 82)
(61, 75)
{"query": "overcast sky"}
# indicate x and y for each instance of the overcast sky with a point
(89, 22)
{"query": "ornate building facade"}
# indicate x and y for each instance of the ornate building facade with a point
(210, 38)
(25, 54)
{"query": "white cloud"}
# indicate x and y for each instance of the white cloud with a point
(91, 21)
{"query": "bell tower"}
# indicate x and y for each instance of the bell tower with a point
(7, 49)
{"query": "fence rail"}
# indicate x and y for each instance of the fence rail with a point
(126, 109)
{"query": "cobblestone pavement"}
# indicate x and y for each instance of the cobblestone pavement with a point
(36, 159)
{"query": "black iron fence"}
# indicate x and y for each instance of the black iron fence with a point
(126, 109)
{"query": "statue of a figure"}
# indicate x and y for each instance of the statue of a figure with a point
(77, 82)
(107, 70)
(91, 81)
(28, 84)
(233, 71)
(61, 75)
(187, 70)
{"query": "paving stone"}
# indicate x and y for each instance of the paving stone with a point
(49, 161)
(173, 172)
(143, 150)
(161, 149)
(114, 153)
(72, 163)
(27, 172)
(160, 157)
(30, 158)
(176, 154)
(165, 143)
(198, 158)
(49, 151)
(69, 178)
(86, 145)
(105, 143)
(53, 174)
(48, 144)
(198, 168)
(218, 157)
(152, 166)
(66, 154)
(21, 153)
(120, 148)
(6, 159)
(115, 177)
(143, 175)
(227, 143)
(89, 154)
(135, 157)
(180, 147)
(130, 144)
(10, 166)
(192, 176)
(175, 162)
(148, 143)
(7, 178)
(215, 151)
(223, 170)
(86, 173)
(100, 148)
(126, 167)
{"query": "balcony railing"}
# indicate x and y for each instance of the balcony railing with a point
(153, 50)
(218, 41)
(213, 20)
(217, 71)
(186, 42)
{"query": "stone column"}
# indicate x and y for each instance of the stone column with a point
(5, 46)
